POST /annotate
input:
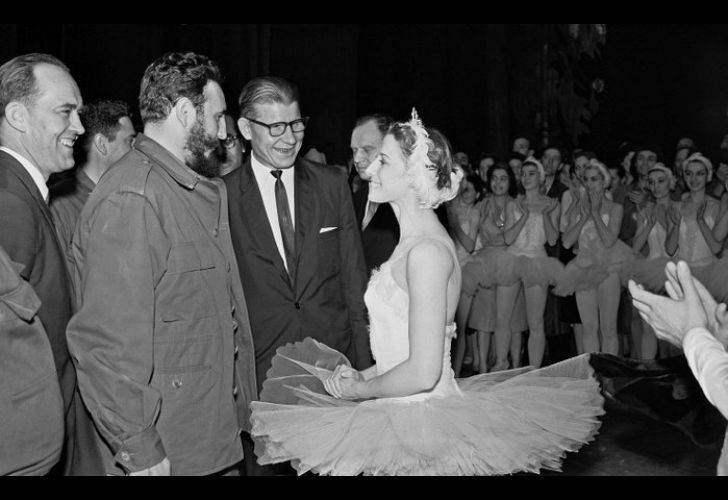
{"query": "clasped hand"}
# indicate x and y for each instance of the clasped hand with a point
(343, 382)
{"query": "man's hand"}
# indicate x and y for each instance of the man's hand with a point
(161, 469)
(670, 317)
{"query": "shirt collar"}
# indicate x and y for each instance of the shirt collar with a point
(261, 169)
(32, 170)
(180, 172)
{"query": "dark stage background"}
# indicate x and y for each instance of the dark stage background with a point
(479, 83)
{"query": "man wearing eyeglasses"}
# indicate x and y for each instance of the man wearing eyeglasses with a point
(296, 238)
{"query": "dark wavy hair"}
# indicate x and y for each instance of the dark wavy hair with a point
(102, 117)
(171, 77)
(512, 186)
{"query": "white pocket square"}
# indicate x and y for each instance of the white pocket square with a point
(327, 229)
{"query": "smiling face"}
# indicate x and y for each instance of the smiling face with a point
(499, 182)
(530, 177)
(274, 152)
(53, 124)
(658, 183)
(696, 176)
(388, 176)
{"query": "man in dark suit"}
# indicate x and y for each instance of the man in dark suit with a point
(39, 124)
(378, 224)
(295, 236)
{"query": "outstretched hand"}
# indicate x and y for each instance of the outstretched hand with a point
(343, 382)
(671, 317)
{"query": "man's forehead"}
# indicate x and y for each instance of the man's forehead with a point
(57, 82)
(276, 108)
(367, 134)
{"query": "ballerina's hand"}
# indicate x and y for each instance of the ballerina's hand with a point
(342, 382)
(701, 210)
(550, 206)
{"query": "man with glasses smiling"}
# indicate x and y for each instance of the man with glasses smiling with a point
(296, 239)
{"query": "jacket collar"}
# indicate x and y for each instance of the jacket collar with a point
(181, 173)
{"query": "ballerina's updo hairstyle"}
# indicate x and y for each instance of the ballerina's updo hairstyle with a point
(434, 176)
(595, 164)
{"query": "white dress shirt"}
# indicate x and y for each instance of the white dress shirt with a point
(32, 170)
(708, 360)
(267, 185)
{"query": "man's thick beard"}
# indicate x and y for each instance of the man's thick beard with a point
(202, 158)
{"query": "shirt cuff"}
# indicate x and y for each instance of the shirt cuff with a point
(141, 452)
(693, 335)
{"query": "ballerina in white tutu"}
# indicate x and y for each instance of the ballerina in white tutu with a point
(408, 415)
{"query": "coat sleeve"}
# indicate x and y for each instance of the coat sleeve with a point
(354, 275)
(709, 362)
(117, 256)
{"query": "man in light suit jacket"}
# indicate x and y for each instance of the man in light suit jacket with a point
(378, 224)
(39, 124)
(295, 236)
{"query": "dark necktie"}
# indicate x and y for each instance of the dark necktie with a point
(285, 221)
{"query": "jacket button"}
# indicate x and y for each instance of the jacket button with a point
(235, 392)
(235, 325)
(177, 383)
(125, 456)
(236, 351)
(298, 305)
(215, 232)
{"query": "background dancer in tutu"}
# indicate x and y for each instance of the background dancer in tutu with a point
(593, 274)
(407, 415)
(536, 218)
(463, 215)
(653, 222)
(478, 304)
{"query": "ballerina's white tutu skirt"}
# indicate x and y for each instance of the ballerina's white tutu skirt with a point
(590, 268)
(500, 423)
(495, 266)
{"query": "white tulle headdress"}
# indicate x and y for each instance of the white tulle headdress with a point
(603, 170)
(423, 171)
(660, 167)
(698, 157)
(541, 171)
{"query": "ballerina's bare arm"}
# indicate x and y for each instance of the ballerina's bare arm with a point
(720, 229)
(713, 243)
(429, 268)
(514, 227)
(646, 220)
(571, 235)
(609, 234)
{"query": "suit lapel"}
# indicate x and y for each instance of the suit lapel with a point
(260, 232)
(15, 168)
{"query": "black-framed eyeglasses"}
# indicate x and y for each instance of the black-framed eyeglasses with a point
(230, 141)
(278, 129)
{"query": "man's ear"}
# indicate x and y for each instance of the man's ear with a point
(16, 114)
(101, 143)
(244, 126)
(185, 112)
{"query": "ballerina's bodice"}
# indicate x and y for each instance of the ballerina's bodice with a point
(589, 237)
(692, 247)
(656, 241)
(388, 306)
(530, 241)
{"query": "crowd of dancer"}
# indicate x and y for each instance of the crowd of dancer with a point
(549, 241)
